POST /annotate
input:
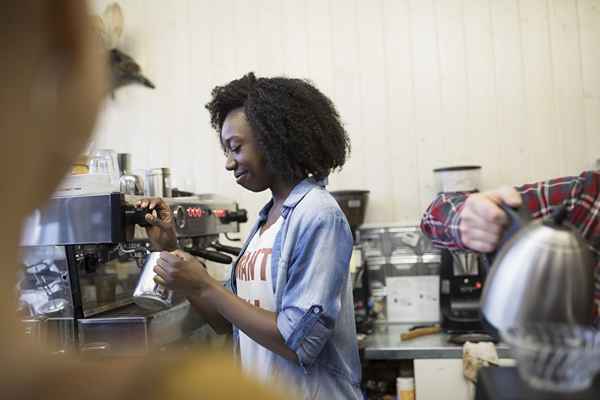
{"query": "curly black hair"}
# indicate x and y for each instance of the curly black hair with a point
(297, 127)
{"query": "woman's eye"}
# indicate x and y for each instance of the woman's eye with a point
(236, 149)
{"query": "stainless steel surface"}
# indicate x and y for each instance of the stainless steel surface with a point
(149, 294)
(543, 274)
(98, 219)
(43, 283)
(158, 182)
(75, 220)
(124, 160)
(131, 184)
(465, 263)
(386, 344)
(132, 331)
(90, 237)
(55, 335)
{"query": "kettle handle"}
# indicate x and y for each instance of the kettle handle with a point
(517, 218)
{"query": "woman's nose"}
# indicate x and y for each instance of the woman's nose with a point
(230, 163)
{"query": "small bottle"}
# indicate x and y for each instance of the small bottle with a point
(405, 387)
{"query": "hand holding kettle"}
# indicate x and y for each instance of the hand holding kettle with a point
(483, 221)
(542, 273)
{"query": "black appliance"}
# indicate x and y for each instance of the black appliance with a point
(462, 276)
(504, 383)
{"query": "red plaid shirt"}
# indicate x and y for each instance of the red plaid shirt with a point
(440, 221)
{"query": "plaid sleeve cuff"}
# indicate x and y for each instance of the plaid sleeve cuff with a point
(441, 221)
(454, 226)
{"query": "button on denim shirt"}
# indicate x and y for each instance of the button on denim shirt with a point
(313, 295)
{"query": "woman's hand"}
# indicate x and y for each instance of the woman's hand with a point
(181, 271)
(482, 221)
(162, 230)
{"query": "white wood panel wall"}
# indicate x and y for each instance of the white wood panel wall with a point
(512, 85)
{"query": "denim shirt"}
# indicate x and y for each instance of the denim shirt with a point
(313, 295)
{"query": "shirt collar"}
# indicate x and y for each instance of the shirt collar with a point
(297, 194)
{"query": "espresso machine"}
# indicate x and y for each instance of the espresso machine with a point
(81, 260)
(462, 276)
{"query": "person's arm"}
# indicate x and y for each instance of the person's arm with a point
(216, 321)
(476, 222)
(259, 324)
(441, 220)
(161, 231)
(317, 280)
(579, 193)
(220, 307)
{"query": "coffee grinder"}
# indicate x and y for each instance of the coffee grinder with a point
(462, 276)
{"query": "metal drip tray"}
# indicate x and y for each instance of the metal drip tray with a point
(134, 331)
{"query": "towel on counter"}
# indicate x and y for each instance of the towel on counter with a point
(477, 355)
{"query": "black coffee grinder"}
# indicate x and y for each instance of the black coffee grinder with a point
(462, 276)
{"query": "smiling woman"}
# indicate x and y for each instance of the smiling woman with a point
(289, 298)
(243, 154)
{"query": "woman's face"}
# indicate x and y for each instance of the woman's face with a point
(244, 157)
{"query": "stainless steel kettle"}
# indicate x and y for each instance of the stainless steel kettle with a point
(543, 272)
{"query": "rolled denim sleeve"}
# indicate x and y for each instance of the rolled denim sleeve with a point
(317, 277)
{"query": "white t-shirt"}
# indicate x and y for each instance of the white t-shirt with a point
(254, 285)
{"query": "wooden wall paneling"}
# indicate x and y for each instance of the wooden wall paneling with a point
(200, 137)
(400, 105)
(508, 144)
(417, 83)
(453, 79)
(269, 37)
(540, 134)
(224, 69)
(482, 121)
(566, 60)
(588, 12)
(346, 92)
(247, 35)
(318, 30)
(426, 75)
(373, 80)
(179, 127)
(295, 38)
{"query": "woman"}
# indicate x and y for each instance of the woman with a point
(290, 299)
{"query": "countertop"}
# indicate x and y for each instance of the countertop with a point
(385, 344)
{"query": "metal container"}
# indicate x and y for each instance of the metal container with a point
(149, 294)
(463, 178)
(158, 182)
(129, 182)
(542, 273)
(354, 204)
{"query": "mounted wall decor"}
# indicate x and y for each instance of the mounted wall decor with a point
(124, 69)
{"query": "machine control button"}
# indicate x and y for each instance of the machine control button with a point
(220, 213)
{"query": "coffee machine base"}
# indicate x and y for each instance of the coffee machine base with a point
(133, 331)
